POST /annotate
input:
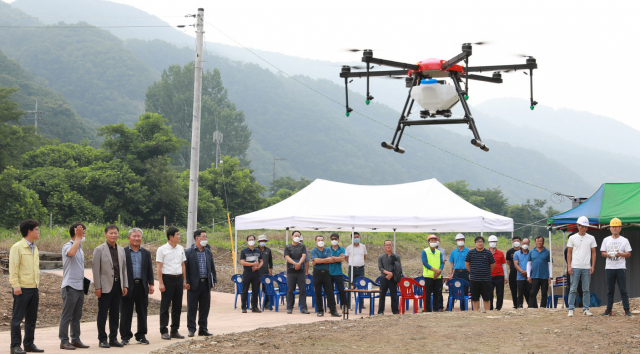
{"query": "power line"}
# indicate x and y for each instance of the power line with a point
(73, 27)
(376, 121)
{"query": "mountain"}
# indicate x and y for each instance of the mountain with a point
(303, 121)
(101, 79)
(60, 120)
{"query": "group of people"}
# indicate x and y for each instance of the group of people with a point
(123, 279)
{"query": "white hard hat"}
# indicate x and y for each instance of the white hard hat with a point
(583, 220)
(493, 238)
(459, 237)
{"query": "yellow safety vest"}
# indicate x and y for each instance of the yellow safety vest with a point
(434, 261)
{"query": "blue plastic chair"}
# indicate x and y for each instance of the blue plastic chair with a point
(311, 291)
(281, 280)
(419, 290)
(271, 293)
(559, 283)
(237, 279)
(362, 283)
(456, 292)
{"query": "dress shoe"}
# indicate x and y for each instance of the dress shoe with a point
(104, 344)
(115, 343)
(255, 310)
(204, 333)
(17, 350)
(177, 335)
(305, 311)
(125, 342)
(67, 346)
(244, 310)
(166, 336)
(33, 349)
(335, 314)
(142, 341)
(191, 333)
(290, 312)
(79, 345)
(320, 314)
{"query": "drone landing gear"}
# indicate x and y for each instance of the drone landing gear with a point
(404, 122)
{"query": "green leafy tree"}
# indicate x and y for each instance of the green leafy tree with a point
(172, 97)
(18, 202)
(287, 183)
(528, 213)
(490, 199)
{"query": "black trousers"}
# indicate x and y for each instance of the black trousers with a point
(25, 306)
(541, 285)
(338, 281)
(392, 286)
(172, 296)
(294, 279)
(497, 286)
(513, 286)
(109, 303)
(432, 286)
(140, 299)
(617, 276)
(322, 279)
(198, 299)
(524, 290)
(253, 279)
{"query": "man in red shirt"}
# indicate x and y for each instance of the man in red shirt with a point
(498, 278)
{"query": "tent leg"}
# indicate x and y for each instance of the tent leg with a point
(235, 261)
(394, 240)
(286, 239)
(353, 295)
(563, 268)
(551, 274)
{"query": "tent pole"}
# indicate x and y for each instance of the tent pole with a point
(235, 260)
(286, 240)
(394, 240)
(563, 268)
(551, 258)
(511, 235)
(353, 296)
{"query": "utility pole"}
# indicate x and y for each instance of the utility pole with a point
(274, 163)
(192, 217)
(217, 139)
(36, 115)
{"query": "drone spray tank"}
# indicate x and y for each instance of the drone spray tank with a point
(435, 96)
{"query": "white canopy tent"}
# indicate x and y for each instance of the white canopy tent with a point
(424, 206)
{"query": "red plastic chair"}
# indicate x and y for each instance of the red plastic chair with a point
(406, 293)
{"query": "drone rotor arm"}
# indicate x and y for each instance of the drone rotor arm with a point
(494, 80)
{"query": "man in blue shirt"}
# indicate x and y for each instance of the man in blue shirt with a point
(520, 260)
(335, 268)
(539, 273)
(321, 258)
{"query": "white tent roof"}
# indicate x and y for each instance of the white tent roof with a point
(424, 206)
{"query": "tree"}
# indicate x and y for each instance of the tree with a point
(489, 199)
(287, 183)
(234, 185)
(172, 97)
(528, 213)
(18, 202)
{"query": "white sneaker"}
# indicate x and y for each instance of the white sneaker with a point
(587, 313)
(570, 314)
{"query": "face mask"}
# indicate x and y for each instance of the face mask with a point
(526, 247)
(516, 244)
(296, 239)
(301, 240)
(334, 242)
(83, 238)
(262, 244)
(251, 243)
(203, 243)
(320, 243)
(433, 244)
(493, 244)
(460, 243)
(438, 244)
(356, 240)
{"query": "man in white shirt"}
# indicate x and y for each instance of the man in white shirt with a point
(581, 262)
(356, 255)
(615, 249)
(173, 280)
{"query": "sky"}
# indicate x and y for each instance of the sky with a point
(582, 47)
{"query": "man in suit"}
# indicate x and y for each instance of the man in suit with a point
(111, 283)
(201, 276)
(140, 276)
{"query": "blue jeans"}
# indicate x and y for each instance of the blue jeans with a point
(580, 274)
(617, 276)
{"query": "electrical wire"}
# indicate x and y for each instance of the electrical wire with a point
(378, 122)
(73, 27)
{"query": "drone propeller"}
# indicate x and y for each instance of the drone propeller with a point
(394, 77)
(481, 43)
(357, 67)
(355, 50)
(524, 56)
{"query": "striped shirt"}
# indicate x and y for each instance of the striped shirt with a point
(480, 264)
